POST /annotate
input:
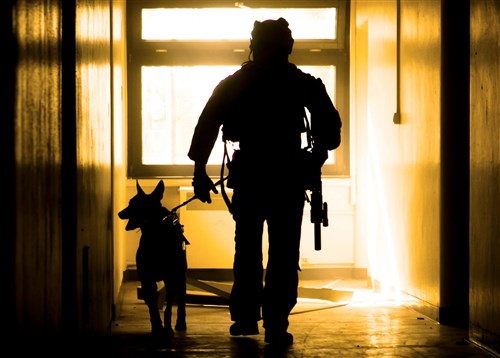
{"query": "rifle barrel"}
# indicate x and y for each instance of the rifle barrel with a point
(317, 236)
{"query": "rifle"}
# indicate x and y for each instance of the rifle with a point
(319, 210)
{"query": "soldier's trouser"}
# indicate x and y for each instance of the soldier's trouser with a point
(282, 210)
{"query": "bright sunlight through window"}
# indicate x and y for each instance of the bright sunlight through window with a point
(179, 51)
(234, 23)
(172, 100)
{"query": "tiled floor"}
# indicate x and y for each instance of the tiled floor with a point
(364, 324)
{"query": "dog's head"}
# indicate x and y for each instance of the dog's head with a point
(143, 207)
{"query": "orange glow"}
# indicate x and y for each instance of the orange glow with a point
(380, 238)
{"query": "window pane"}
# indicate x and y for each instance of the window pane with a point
(234, 23)
(327, 75)
(172, 100)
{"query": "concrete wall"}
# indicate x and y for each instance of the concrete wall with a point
(413, 177)
(119, 141)
(485, 173)
(59, 253)
(398, 173)
(373, 103)
(409, 177)
(94, 187)
(38, 146)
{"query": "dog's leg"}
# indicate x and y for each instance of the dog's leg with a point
(167, 313)
(150, 295)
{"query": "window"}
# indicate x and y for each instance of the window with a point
(180, 50)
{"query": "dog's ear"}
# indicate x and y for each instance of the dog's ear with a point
(139, 189)
(160, 188)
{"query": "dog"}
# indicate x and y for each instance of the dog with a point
(161, 256)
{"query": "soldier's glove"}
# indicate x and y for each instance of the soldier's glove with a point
(203, 185)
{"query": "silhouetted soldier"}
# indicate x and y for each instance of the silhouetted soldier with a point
(261, 106)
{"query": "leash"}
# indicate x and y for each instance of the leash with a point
(220, 182)
(222, 187)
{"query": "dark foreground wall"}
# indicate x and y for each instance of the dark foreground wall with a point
(57, 255)
(485, 173)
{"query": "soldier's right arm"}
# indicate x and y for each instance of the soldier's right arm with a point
(207, 128)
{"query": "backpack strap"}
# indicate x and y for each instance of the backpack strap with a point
(225, 159)
(308, 132)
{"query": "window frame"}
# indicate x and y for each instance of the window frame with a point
(155, 53)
